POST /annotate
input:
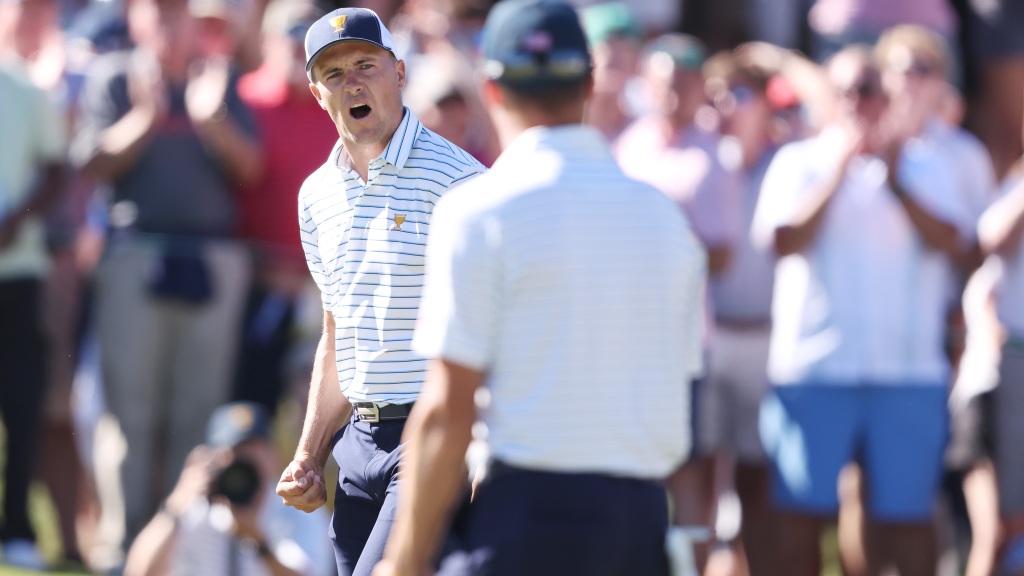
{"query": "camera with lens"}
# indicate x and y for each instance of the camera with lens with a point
(238, 482)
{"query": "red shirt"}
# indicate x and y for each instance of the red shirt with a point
(297, 137)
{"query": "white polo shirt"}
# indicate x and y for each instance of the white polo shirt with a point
(866, 301)
(578, 292)
(364, 244)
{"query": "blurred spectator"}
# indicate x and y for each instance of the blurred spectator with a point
(441, 96)
(31, 179)
(998, 50)
(914, 63)
(296, 140)
(741, 296)
(1001, 232)
(223, 518)
(615, 41)
(839, 23)
(673, 151)
(862, 222)
(164, 129)
(971, 418)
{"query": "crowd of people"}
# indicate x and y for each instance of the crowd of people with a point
(850, 168)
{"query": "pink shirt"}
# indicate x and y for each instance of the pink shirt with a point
(685, 167)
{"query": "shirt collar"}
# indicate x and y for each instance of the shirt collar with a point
(398, 149)
(569, 139)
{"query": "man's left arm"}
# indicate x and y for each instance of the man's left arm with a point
(936, 232)
(433, 468)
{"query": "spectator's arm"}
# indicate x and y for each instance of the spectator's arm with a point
(240, 154)
(150, 554)
(719, 258)
(1001, 228)
(206, 99)
(937, 233)
(152, 551)
(800, 232)
(119, 146)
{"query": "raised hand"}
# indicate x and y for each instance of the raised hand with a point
(207, 86)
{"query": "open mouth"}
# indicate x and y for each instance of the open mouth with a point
(360, 111)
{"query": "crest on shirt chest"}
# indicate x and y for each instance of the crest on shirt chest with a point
(398, 220)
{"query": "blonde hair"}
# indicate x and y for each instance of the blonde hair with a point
(915, 40)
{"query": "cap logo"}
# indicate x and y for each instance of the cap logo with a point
(339, 23)
(241, 417)
(538, 42)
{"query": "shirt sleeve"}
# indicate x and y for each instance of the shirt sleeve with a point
(459, 310)
(310, 238)
(783, 186)
(933, 183)
(713, 208)
(49, 136)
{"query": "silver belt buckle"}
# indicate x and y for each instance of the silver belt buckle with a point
(367, 412)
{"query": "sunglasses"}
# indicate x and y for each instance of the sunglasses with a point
(863, 88)
(921, 69)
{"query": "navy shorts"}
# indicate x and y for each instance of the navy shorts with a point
(526, 522)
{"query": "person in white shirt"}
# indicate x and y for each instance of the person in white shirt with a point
(222, 518)
(1001, 232)
(863, 223)
(364, 218)
(567, 299)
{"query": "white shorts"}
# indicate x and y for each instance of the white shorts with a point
(730, 400)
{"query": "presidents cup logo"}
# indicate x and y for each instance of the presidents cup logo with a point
(399, 219)
(339, 23)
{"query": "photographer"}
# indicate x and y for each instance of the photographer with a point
(222, 518)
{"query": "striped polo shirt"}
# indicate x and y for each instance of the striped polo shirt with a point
(579, 292)
(364, 244)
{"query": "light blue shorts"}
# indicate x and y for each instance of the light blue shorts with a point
(897, 433)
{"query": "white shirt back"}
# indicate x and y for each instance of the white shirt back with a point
(578, 292)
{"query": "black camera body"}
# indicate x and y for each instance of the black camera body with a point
(239, 482)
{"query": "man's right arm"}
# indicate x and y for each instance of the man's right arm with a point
(302, 484)
(1001, 227)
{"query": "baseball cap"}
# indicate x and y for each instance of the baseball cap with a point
(345, 25)
(604, 21)
(686, 51)
(530, 44)
(234, 423)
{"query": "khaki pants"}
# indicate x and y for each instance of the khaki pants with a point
(166, 366)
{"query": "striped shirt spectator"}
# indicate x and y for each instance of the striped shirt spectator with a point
(364, 243)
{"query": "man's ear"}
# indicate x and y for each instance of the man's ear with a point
(492, 93)
(316, 94)
(400, 70)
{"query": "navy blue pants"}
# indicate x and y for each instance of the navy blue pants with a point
(525, 522)
(365, 497)
(22, 392)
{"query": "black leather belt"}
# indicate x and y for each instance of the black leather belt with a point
(377, 412)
